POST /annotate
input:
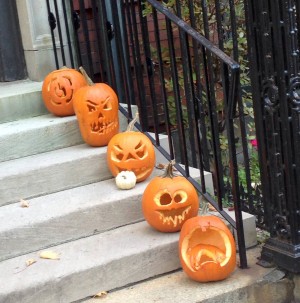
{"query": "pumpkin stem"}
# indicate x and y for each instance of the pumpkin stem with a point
(169, 172)
(64, 67)
(204, 208)
(132, 122)
(85, 75)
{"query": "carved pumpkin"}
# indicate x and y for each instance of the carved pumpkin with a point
(59, 88)
(96, 108)
(168, 201)
(131, 151)
(207, 249)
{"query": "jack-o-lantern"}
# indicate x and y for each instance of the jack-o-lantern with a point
(96, 107)
(168, 201)
(207, 249)
(59, 88)
(131, 151)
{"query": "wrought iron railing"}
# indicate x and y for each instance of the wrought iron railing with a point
(183, 85)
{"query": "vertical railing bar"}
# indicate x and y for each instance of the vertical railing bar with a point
(109, 64)
(126, 60)
(147, 52)
(140, 66)
(214, 127)
(122, 52)
(162, 81)
(187, 82)
(86, 37)
(182, 139)
(68, 33)
(60, 33)
(97, 21)
(137, 63)
(78, 53)
(52, 36)
(199, 106)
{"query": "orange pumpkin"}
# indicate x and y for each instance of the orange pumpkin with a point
(59, 88)
(96, 107)
(131, 151)
(207, 249)
(168, 201)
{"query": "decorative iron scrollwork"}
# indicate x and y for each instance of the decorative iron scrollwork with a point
(76, 21)
(281, 227)
(270, 95)
(294, 92)
(52, 21)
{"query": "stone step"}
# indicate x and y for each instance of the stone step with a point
(255, 284)
(37, 135)
(40, 134)
(20, 100)
(68, 215)
(52, 171)
(87, 266)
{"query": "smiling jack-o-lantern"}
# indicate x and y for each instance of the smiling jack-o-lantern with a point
(59, 88)
(96, 108)
(168, 201)
(207, 249)
(133, 151)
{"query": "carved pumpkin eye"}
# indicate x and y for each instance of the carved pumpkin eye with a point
(140, 150)
(106, 104)
(164, 199)
(92, 106)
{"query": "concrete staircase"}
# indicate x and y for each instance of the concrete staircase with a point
(75, 210)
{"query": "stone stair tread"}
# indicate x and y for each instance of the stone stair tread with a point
(51, 172)
(89, 265)
(35, 135)
(244, 285)
(20, 99)
(67, 215)
(19, 87)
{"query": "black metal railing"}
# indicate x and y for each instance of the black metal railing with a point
(273, 31)
(183, 85)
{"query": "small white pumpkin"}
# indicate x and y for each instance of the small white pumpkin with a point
(126, 179)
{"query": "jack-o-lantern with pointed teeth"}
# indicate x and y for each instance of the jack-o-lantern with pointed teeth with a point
(168, 201)
(132, 151)
(207, 249)
(96, 108)
(59, 88)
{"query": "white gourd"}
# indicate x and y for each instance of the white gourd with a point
(126, 180)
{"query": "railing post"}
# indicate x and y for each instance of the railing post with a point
(275, 74)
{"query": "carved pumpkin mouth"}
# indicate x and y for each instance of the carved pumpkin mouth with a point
(200, 253)
(172, 217)
(139, 172)
(103, 127)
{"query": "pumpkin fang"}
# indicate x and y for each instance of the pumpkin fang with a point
(104, 127)
(168, 218)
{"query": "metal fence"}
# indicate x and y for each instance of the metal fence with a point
(181, 80)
